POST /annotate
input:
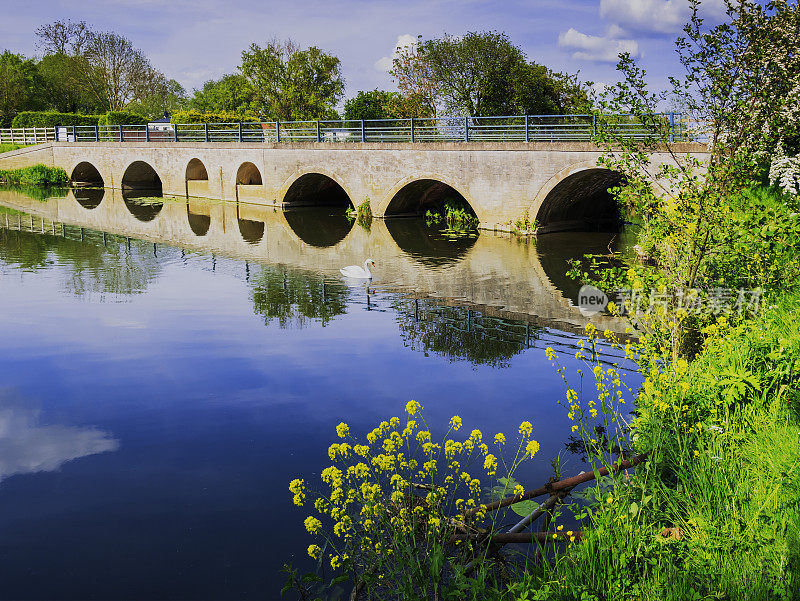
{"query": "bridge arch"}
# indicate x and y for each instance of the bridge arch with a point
(414, 195)
(248, 175)
(315, 188)
(577, 198)
(196, 171)
(86, 174)
(139, 175)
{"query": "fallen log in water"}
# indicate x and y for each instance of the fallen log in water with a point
(552, 488)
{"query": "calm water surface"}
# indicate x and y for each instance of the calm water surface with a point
(168, 368)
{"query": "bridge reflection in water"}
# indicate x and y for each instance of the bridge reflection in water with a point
(502, 276)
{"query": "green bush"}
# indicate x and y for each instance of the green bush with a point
(52, 119)
(121, 118)
(181, 117)
(35, 175)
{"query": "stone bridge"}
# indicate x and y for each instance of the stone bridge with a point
(557, 183)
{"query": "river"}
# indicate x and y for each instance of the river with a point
(169, 366)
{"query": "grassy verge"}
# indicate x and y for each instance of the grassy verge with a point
(10, 147)
(35, 175)
(715, 512)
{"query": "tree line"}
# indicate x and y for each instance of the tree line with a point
(86, 71)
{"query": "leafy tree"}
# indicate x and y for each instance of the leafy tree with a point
(166, 97)
(416, 81)
(743, 78)
(484, 74)
(107, 64)
(230, 93)
(63, 88)
(124, 71)
(703, 228)
(470, 67)
(293, 84)
(380, 104)
(20, 84)
(536, 90)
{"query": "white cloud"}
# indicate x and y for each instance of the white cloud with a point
(404, 41)
(658, 16)
(604, 49)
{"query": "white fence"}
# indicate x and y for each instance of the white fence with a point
(27, 135)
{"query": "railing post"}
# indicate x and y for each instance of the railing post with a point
(594, 124)
(175, 132)
(74, 139)
(277, 131)
(527, 130)
(671, 126)
(412, 129)
(54, 137)
(96, 133)
(466, 129)
(121, 138)
(206, 131)
(362, 131)
(240, 132)
(319, 138)
(146, 133)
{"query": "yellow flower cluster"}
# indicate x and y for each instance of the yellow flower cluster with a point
(412, 407)
(296, 488)
(372, 489)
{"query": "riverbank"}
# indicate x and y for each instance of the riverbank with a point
(715, 511)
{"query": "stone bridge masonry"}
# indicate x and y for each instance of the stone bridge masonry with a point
(557, 183)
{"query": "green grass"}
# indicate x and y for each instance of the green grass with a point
(732, 487)
(10, 147)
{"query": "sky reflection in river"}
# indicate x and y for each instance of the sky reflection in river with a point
(181, 390)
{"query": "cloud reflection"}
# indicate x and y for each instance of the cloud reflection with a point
(28, 447)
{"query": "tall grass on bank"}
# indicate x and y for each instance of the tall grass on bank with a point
(715, 511)
(35, 175)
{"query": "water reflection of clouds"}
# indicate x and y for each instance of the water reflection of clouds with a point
(26, 446)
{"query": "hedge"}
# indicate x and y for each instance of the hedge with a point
(198, 117)
(51, 119)
(121, 118)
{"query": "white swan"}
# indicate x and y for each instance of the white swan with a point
(361, 273)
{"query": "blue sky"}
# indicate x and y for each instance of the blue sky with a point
(195, 40)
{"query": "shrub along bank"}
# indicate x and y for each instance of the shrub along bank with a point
(35, 175)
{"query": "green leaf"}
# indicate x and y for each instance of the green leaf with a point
(525, 508)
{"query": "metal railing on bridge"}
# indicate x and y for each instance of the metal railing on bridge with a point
(525, 128)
